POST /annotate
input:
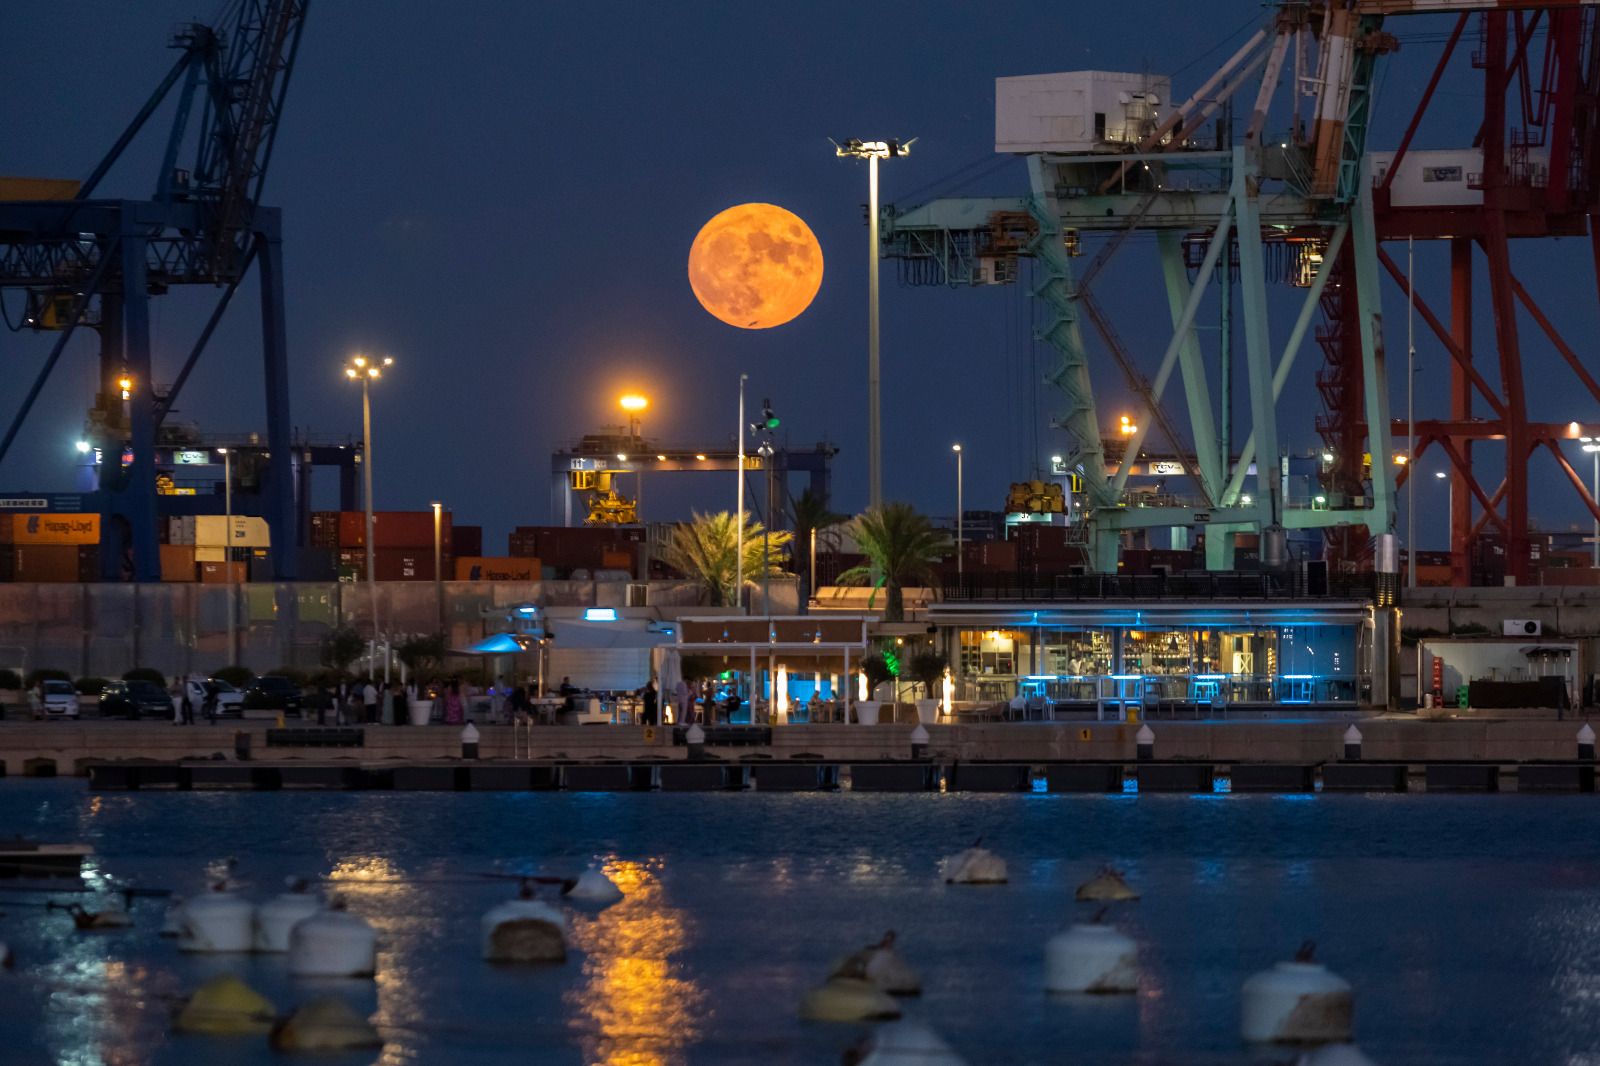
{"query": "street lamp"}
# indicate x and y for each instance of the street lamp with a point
(438, 563)
(1592, 446)
(634, 404)
(738, 534)
(227, 553)
(367, 370)
(1126, 426)
(872, 151)
(960, 514)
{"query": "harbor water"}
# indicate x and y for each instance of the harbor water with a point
(1467, 925)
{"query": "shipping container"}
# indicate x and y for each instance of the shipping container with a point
(393, 529)
(990, 557)
(217, 573)
(211, 531)
(54, 529)
(180, 529)
(260, 565)
(177, 562)
(404, 564)
(324, 529)
(523, 545)
(465, 541)
(351, 564)
(478, 568)
(319, 563)
(54, 562)
(615, 559)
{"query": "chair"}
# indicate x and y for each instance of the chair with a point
(1035, 705)
(1016, 709)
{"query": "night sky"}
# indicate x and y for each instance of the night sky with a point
(502, 195)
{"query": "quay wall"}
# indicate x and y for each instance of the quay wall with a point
(70, 746)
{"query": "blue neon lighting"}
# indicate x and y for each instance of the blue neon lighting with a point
(600, 614)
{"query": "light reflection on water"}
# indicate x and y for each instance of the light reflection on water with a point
(637, 1005)
(1470, 926)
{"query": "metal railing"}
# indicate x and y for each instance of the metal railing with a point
(1191, 585)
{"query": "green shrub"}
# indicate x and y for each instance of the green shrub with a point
(145, 673)
(89, 686)
(46, 674)
(237, 676)
(10, 681)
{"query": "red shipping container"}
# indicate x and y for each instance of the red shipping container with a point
(392, 529)
(616, 559)
(48, 562)
(217, 573)
(466, 541)
(403, 564)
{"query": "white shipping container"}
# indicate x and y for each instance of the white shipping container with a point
(180, 530)
(1077, 111)
(211, 531)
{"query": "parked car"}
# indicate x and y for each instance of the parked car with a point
(273, 693)
(60, 699)
(230, 701)
(134, 699)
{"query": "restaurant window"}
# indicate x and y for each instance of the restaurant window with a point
(1076, 652)
(989, 652)
(1158, 652)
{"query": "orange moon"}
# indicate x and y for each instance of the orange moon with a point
(755, 266)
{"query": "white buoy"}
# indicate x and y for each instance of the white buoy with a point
(1334, 1055)
(277, 917)
(884, 967)
(1107, 886)
(1299, 1002)
(593, 886)
(904, 1043)
(525, 930)
(217, 921)
(919, 742)
(333, 943)
(848, 999)
(172, 920)
(975, 866)
(1091, 958)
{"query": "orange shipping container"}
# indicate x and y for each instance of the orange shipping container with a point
(55, 528)
(177, 562)
(611, 559)
(479, 568)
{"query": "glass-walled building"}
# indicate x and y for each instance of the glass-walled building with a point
(1237, 654)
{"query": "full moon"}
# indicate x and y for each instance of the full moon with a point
(755, 266)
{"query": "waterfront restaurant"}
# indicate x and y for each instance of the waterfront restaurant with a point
(1160, 656)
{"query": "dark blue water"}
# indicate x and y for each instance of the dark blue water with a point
(1467, 925)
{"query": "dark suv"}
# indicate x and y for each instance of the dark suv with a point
(134, 699)
(273, 693)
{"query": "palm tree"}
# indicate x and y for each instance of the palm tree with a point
(811, 517)
(706, 549)
(903, 547)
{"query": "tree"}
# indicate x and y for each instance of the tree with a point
(811, 517)
(876, 667)
(928, 667)
(902, 546)
(340, 648)
(422, 655)
(705, 549)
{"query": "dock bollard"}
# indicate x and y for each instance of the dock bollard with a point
(241, 745)
(469, 742)
(1352, 744)
(1146, 741)
(695, 738)
(919, 742)
(1586, 743)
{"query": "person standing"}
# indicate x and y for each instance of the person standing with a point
(680, 700)
(369, 703)
(454, 713)
(651, 701)
(390, 693)
(402, 703)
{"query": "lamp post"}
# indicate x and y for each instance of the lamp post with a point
(1592, 446)
(872, 151)
(960, 515)
(365, 370)
(227, 555)
(438, 563)
(1449, 515)
(738, 534)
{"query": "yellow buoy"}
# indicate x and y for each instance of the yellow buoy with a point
(325, 1024)
(225, 1006)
